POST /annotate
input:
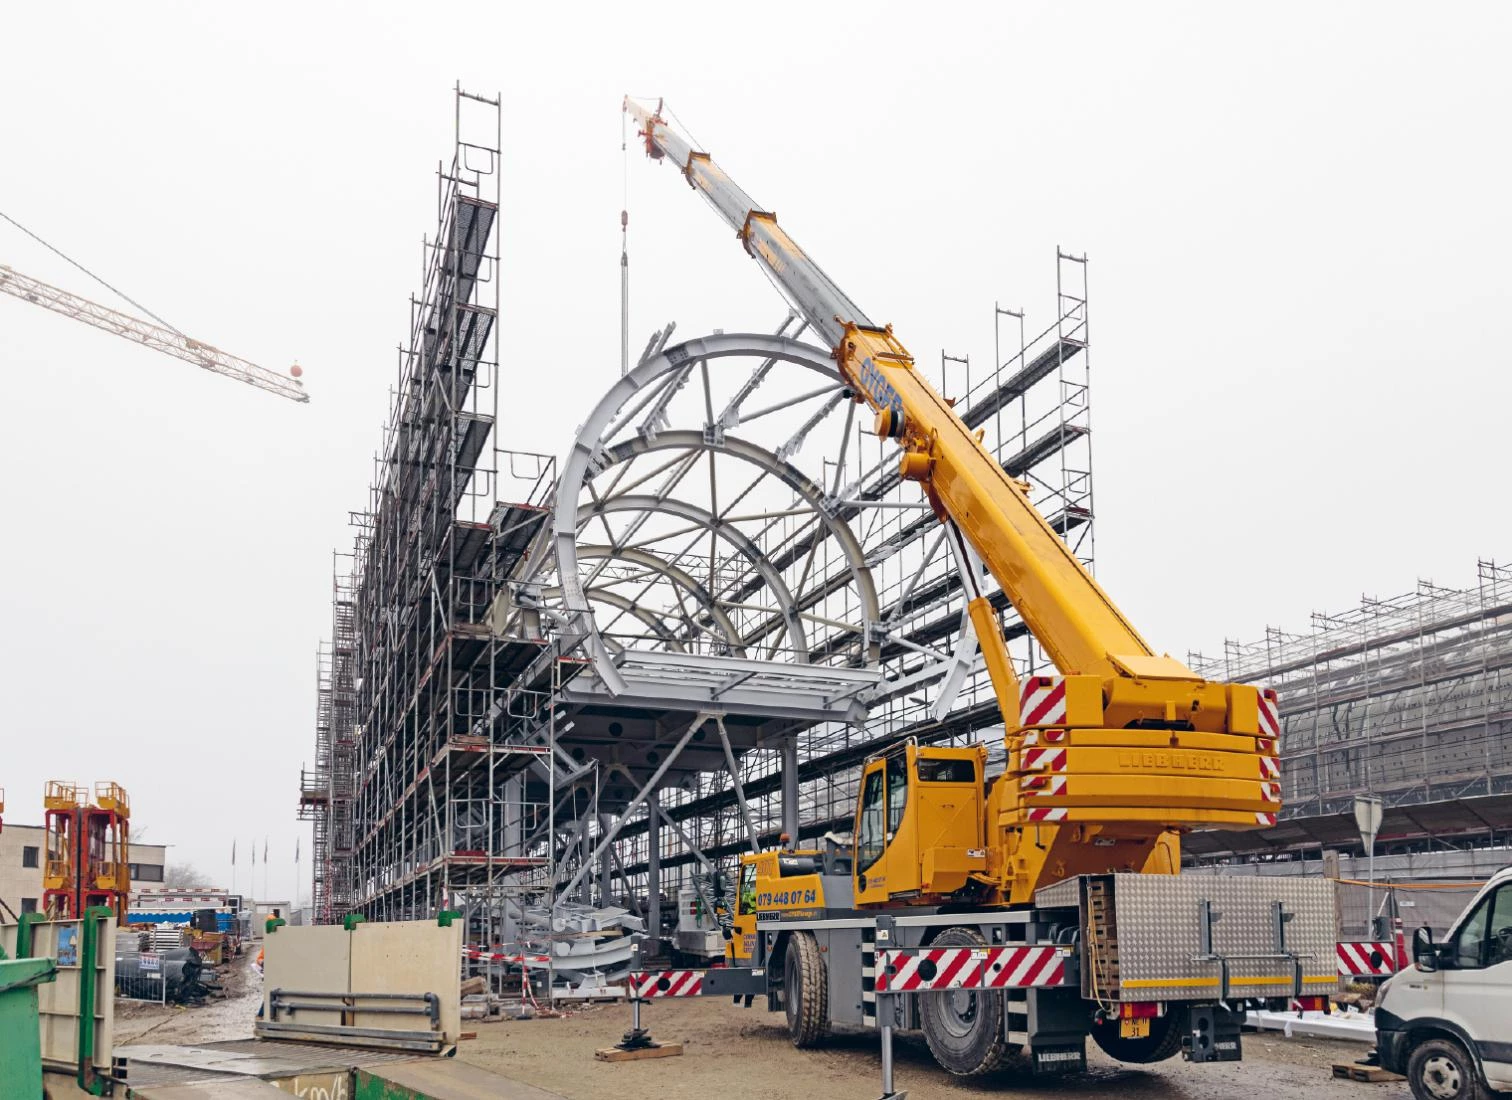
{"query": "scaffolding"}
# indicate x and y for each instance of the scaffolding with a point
(548, 687)
(1034, 407)
(1408, 698)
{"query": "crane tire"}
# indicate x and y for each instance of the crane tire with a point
(964, 1029)
(1164, 1040)
(805, 991)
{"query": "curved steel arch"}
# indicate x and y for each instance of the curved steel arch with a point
(679, 577)
(672, 506)
(589, 456)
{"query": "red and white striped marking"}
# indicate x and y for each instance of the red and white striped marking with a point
(926, 969)
(1050, 813)
(1043, 786)
(1042, 701)
(1270, 767)
(480, 955)
(1265, 819)
(1377, 958)
(1270, 714)
(1047, 759)
(1271, 792)
(666, 983)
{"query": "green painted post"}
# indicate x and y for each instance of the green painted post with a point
(24, 933)
(90, 1081)
(20, 1035)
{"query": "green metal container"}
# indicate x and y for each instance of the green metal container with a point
(20, 1040)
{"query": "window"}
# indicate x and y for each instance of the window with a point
(747, 901)
(1485, 939)
(897, 794)
(146, 872)
(28, 905)
(871, 836)
(945, 771)
(29, 855)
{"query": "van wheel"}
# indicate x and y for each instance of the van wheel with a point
(964, 1028)
(1439, 1069)
(805, 991)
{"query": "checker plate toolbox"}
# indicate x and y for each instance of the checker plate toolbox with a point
(1192, 936)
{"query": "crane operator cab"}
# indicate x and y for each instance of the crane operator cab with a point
(795, 882)
(919, 824)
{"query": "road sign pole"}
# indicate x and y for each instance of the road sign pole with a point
(1367, 814)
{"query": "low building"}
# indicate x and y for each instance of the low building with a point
(23, 851)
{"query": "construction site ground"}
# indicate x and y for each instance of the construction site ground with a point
(730, 1051)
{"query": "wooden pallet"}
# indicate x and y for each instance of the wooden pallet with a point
(1354, 1071)
(659, 1050)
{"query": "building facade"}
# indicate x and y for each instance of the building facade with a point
(23, 851)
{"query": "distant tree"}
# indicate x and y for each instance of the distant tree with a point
(183, 876)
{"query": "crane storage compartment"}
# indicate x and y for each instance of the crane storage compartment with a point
(1199, 937)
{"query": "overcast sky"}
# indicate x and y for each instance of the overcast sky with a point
(1297, 218)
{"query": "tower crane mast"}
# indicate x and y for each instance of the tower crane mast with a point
(155, 336)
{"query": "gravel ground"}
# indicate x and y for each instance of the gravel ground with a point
(736, 1052)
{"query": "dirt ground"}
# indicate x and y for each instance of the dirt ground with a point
(227, 1016)
(738, 1052)
(744, 1053)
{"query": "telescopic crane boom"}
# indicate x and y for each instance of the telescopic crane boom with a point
(1144, 748)
(158, 337)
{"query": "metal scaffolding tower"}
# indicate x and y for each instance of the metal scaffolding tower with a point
(1409, 697)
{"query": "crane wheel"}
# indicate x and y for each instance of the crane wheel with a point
(1163, 1041)
(964, 1028)
(805, 991)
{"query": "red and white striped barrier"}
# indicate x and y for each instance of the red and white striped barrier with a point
(926, 969)
(1373, 958)
(1042, 701)
(645, 984)
(479, 955)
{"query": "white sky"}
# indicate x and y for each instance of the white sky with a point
(1297, 216)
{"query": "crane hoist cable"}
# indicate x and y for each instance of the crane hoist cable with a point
(161, 336)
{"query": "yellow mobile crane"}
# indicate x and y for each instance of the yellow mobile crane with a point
(1073, 852)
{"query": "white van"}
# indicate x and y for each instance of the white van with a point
(1446, 1021)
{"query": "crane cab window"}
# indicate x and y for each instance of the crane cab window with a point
(945, 771)
(746, 903)
(871, 831)
(897, 794)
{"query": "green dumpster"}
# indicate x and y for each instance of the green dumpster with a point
(20, 1040)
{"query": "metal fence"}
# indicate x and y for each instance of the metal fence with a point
(1436, 905)
(140, 975)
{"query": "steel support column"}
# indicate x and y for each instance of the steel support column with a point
(790, 788)
(653, 870)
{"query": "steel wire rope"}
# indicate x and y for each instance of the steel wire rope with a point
(113, 289)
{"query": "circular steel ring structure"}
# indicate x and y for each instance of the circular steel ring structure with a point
(685, 525)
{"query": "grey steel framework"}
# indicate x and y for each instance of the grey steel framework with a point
(1409, 698)
(412, 801)
(761, 600)
(579, 687)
